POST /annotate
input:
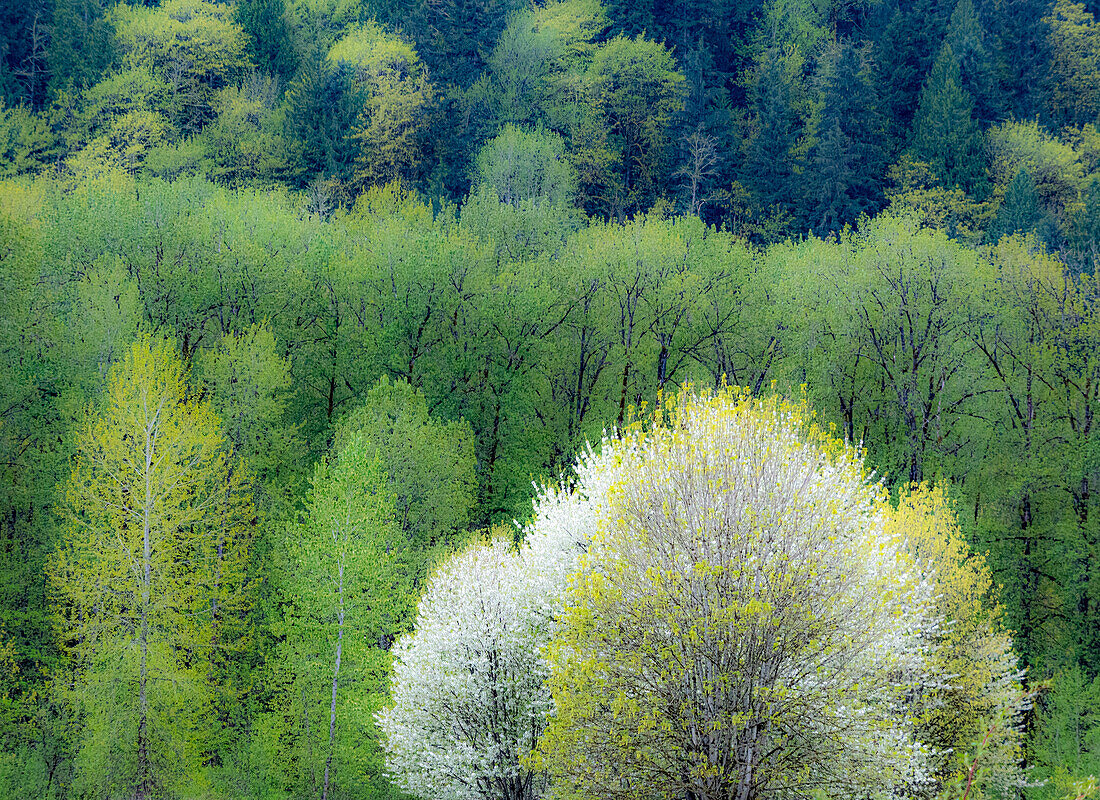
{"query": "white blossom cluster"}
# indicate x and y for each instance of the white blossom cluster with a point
(469, 694)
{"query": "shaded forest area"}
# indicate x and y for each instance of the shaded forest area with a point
(466, 238)
(770, 118)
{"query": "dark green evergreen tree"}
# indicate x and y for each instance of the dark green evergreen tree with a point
(1021, 211)
(81, 44)
(453, 37)
(270, 43)
(905, 35)
(1021, 54)
(845, 176)
(769, 167)
(24, 40)
(945, 133)
(322, 105)
(967, 38)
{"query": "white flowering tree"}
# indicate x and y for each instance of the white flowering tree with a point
(469, 692)
(723, 605)
(743, 623)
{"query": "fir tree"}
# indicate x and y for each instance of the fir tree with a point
(1021, 211)
(945, 133)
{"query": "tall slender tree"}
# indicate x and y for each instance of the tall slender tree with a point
(149, 580)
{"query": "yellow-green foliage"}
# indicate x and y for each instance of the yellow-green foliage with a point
(127, 141)
(149, 580)
(356, 46)
(194, 46)
(1073, 36)
(973, 671)
(398, 95)
(1055, 167)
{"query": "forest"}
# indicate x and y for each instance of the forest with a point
(354, 352)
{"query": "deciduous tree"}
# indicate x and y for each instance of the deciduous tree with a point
(149, 581)
(741, 620)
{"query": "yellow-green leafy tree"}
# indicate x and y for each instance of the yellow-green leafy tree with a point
(194, 47)
(398, 96)
(1073, 36)
(149, 580)
(974, 692)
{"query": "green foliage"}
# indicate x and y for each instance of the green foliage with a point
(967, 38)
(520, 165)
(1054, 166)
(1074, 41)
(1021, 212)
(429, 464)
(321, 106)
(535, 64)
(524, 192)
(80, 47)
(974, 693)
(1067, 747)
(245, 143)
(770, 147)
(267, 25)
(389, 130)
(134, 89)
(193, 46)
(635, 87)
(248, 383)
(917, 194)
(845, 172)
(123, 145)
(26, 141)
(343, 594)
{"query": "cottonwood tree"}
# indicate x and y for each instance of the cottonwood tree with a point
(149, 581)
(337, 581)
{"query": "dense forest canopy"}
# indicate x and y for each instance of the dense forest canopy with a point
(315, 310)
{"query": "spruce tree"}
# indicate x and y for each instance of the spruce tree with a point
(270, 44)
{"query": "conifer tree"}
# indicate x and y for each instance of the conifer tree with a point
(945, 133)
(769, 160)
(845, 178)
(1073, 37)
(1022, 212)
(967, 38)
(270, 45)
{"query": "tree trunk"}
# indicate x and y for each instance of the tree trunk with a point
(144, 789)
(335, 681)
